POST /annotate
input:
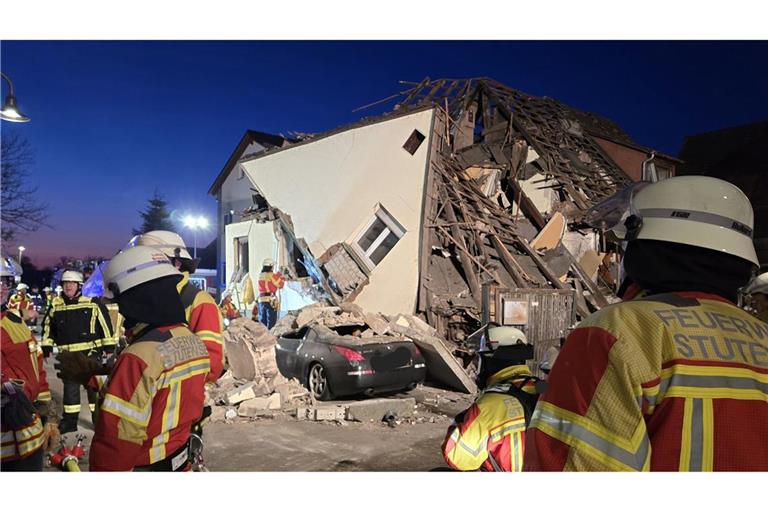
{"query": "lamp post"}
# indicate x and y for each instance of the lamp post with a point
(21, 250)
(195, 223)
(10, 111)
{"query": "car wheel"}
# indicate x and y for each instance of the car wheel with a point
(317, 383)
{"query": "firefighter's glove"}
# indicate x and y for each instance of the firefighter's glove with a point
(51, 437)
(77, 367)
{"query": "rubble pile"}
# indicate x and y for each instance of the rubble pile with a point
(350, 320)
(253, 386)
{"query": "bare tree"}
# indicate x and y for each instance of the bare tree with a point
(19, 208)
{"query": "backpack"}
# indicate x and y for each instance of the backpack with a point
(527, 400)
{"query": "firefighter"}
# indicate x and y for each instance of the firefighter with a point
(202, 312)
(29, 426)
(758, 290)
(228, 309)
(268, 302)
(490, 435)
(674, 380)
(77, 324)
(156, 389)
(20, 300)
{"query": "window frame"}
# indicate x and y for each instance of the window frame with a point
(391, 225)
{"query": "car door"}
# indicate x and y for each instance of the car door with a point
(287, 352)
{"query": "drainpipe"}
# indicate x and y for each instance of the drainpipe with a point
(649, 170)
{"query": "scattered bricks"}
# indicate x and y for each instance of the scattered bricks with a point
(240, 394)
(323, 413)
(253, 406)
(218, 414)
(375, 410)
(273, 402)
(378, 324)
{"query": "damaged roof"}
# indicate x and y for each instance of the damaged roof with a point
(267, 140)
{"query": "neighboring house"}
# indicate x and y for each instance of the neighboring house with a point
(736, 155)
(232, 190)
(635, 160)
(437, 208)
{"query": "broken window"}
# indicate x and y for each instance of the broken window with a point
(378, 237)
(414, 141)
(241, 253)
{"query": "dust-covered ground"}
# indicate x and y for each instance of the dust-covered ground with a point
(284, 443)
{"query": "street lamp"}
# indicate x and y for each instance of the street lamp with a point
(21, 250)
(195, 223)
(10, 111)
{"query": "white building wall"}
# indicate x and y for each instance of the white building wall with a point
(261, 244)
(233, 196)
(330, 189)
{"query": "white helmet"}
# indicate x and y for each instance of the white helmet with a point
(72, 276)
(59, 289)
(504, 336)
(47, 289)
(695, 210)
(759, 284)
(22, 287)
(135, 266)
(169, 242)
(268, 262)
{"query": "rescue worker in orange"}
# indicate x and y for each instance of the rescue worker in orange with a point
(228, 309)
(269, 283)
(674, 380)
(76, 323)
(29, 426)
(202, 313)
(20, 300)
(490, 435)
(156, 389)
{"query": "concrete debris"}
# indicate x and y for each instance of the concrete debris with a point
(255, 406)
(250, 350)
(441, 364)
(241, 394)
(308, 314)
(377, 409)
(230, 414)
(322, 413)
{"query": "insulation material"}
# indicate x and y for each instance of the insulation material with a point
(550, 236)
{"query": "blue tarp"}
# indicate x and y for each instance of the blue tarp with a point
(94, 286)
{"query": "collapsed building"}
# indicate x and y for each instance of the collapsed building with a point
(462, 204)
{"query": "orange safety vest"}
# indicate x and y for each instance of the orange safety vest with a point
(21, 360)
(490, 435)
(673, 382)
(269, 283)
(153, 395)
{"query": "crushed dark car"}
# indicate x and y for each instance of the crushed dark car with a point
(336, 362)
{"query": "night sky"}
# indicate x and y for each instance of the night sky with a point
(114, 121)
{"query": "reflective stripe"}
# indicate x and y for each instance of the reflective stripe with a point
(92, 407)
(474, 451)
(515, 425)
(126, 410)
(577, 431)
(71, 408)
(78, 347)
(493, 462)
(182, 372)
(714, 386)
(44, 396)
(210, 335)
(30, 446)
(7, 451)
(703, 217)
(516, 457)
(6, 436)
(170, 420)
(29, 432)
(697, 435)
(708, 441)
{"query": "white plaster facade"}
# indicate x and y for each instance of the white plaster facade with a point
(332, 187)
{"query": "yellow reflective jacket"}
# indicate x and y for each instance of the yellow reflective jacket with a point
(490, 435)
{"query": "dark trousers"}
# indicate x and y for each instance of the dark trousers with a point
(267, 314)
(33, 462)
(71, 401)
